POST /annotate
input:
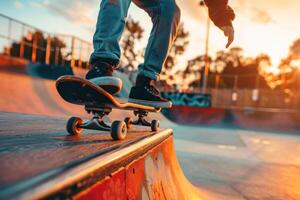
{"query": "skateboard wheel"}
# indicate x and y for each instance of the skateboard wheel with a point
(157, 109)
(128, 121)
(72, 126)
(118, 130)
(154, 125)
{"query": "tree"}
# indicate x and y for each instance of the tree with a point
(194, 70)
(244, 72)
(288, 77)
(229, 68)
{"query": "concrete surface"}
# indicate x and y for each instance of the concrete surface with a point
(34, 144)
(38, 160)
(221, 163)
(240, 164)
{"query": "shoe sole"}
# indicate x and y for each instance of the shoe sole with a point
(110, 84)
(151, 103)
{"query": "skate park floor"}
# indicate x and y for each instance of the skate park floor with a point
(240, 164)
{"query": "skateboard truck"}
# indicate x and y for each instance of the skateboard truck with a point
(118, 129)
(96, 123)
(141, 114)
(141, 118)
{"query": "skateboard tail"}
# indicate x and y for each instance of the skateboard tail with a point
(78, 91)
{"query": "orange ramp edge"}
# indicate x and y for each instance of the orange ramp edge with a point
(151, 171)
(155, 175)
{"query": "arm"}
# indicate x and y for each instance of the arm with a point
(222, 16)
(220, 13)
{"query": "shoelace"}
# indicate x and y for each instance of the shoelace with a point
(152, 90)
(96, 69)
(103, 68)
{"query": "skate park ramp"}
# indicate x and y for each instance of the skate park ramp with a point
(38, 159)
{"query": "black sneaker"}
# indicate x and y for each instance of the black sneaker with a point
(101, 74)
(148, 95)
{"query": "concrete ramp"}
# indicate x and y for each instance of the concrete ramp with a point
(38, 160)
(154, 175)
(24, 94)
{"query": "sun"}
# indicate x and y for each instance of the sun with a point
(273, 70)
(257, 39)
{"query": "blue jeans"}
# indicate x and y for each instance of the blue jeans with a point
(165, 16)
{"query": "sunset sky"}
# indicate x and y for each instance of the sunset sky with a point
(261, 26)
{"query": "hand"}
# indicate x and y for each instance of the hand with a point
(229, 33)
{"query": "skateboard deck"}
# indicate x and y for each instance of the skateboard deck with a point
(100, 103)
(80, 91)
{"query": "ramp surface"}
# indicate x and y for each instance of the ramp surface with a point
(38, 160)
(32, 144)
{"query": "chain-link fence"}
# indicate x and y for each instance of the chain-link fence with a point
(250, 90)
(18, 39)
(245, 81)
(242, 91)
(256, 98)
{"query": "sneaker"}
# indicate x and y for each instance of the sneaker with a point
(148, 95)
(101, 74)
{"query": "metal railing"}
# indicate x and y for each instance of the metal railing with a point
(18, 39)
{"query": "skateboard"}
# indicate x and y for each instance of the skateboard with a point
(100, 103)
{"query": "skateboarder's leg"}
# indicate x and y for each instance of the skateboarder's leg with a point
(109, 29)
(165, 16)
(106, 55)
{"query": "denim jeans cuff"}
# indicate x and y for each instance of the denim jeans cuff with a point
(149, 74)
(95, 57)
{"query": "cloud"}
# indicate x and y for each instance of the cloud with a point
(241, 7)
(260, 16)
(35, 4)
(77, 12)
(256, 11)
(192, 9)
(18, 4)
